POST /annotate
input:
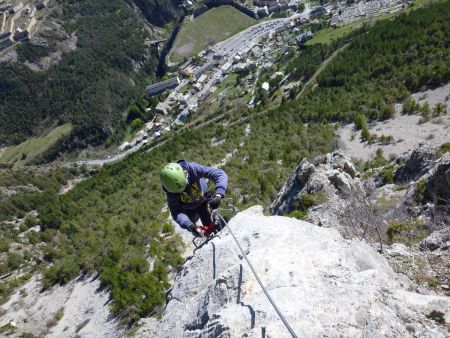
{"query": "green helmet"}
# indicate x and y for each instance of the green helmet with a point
(173, 178)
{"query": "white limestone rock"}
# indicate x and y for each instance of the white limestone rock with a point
(324, 284)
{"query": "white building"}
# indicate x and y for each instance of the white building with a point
(162, 107)
(202, 78)
(197, 86)
(226, 67)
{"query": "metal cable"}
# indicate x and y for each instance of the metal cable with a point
(283, 319)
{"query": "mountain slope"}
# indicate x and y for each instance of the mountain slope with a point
(113, 222)
(91, 86)
(325, 286)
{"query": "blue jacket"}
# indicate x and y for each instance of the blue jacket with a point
(196, 190)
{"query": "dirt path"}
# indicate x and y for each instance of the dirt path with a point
(71, 184)
(312, 81)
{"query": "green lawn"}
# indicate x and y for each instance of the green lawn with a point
(329, 34)
(28, 150)
(214, 26)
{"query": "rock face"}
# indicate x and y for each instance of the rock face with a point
(333, 176)
(324, 285)
(437, 240)
(415, 166)
(438, 181)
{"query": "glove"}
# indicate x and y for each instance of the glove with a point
(209, 229)
(196, 230)
(214, 202)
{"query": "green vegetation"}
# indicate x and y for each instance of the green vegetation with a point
(112, 223)
(419, 190)
(407, 232)
(334, 33)
(387, 174)
(89, 88)
(400, 187)
(31, 190)
(383, 64)
(59, 314)
(22, 191)
(8, 286)
(27, 151)
(377, 161)
(439, 109)
(7, 329)
(444, 148)
(305, 203)
(214, 26)
(28, 335)
(410, 106)
(105, 223)
(328, 35)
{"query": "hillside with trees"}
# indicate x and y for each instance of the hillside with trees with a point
(113, 221)
(91, 87)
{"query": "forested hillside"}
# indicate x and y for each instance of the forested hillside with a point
(113, 221)
(158, 12)
(380, 67)
(90, 87)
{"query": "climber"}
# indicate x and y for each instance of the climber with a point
(188, 197)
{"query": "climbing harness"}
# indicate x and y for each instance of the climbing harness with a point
(216, 214)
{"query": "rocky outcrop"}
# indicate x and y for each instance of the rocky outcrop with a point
(416, 164)
(437, 240)
(159, 13)
(333, 176)
(437, 187)
(324, 284)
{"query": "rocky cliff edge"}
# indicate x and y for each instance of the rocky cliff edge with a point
(324, 284)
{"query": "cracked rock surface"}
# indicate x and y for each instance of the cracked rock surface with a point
(324, 284)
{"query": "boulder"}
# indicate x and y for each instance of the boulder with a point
(437, 240)
(438, 181)
(340, 180)
(332, 175)
(398, 250)
(416, 164)
(434, 186)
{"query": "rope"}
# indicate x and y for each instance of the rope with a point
(283, 319)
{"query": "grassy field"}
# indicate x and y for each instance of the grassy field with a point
(28, 150)
(329, 34)
(214, 26)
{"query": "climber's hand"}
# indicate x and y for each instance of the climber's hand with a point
(214, 202)
(197, 230)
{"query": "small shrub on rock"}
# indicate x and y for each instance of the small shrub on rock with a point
(306, 202)
(410, 106)
(407, 232)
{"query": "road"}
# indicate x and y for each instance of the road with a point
(111, 159)
(239, 44)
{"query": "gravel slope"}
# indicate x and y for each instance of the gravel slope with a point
(405, 129)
